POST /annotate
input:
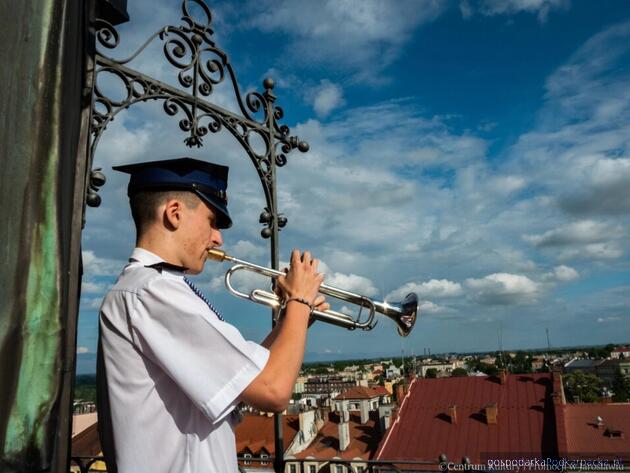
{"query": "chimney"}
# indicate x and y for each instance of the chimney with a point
(491, 413)
(364, 407)
(384, 417)
(503, 376)
(452, 412)
(344, 431)
(325, 412)
(400, 393)
(307, 423)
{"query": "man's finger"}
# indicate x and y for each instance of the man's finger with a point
(295, 256)
(306, 257)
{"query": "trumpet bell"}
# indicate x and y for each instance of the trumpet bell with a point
(403, 313)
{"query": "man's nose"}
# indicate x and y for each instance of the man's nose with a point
(217, 238)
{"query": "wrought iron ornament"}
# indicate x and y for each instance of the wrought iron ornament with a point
(200, 65)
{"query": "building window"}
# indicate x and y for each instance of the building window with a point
(248, 458)
(312, 469)
(263, 458)
(360, 469)
(339, 469)
(292, 468)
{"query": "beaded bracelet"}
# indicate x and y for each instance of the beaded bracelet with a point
(300, 300)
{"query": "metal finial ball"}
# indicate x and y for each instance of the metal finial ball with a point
(269, 83)
(265, 232)
(303, 146)
(442, 458)
(265, 217)
(197, 39)
(93, 199)
(97, 178)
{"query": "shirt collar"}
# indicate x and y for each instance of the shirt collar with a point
(144, 256)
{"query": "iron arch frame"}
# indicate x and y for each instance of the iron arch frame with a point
(199, 65)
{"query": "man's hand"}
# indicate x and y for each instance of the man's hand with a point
(321, 305)
(303, 281)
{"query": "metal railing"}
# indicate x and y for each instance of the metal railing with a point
(303, 465)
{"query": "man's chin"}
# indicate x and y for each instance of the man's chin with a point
(195, 271)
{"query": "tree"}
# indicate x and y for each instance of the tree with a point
(521, 363)
(490, 370)
(431, 373)
(621, 387)
(459, 372)
(85, 388)
(582, 387)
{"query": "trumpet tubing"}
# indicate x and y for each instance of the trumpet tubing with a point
(403, 313)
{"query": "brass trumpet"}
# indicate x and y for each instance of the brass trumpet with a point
(402, 313)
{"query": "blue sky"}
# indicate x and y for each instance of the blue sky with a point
(475, 152)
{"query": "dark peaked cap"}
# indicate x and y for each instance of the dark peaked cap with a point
(207, 180)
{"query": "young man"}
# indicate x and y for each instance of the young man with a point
(170, 370)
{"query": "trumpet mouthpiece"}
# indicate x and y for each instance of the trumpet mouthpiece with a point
(217, 255)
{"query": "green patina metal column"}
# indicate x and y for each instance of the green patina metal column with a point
(42, 74)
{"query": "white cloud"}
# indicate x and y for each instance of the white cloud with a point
(326, 97)
(242, 280)
(541, 8)
(351, 311)
(593, 252)
(246, 250)
(432, 288)
(608, 319)
(561, 273)
(505, 185)
(503, 288)
(349, 282)
(217, 284)
(428, 307)
(600, 189)
(583, 232)
(97, 266)
(465, 9)
(82, 350)
(88, 287)
(357, 35)
(93, 303)
(130, 144)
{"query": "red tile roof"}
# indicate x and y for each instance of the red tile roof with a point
(256, 432)
(381, 391)
(364, 439)
(585, 440)
(423, 429)
(86, 443)
(360, 392)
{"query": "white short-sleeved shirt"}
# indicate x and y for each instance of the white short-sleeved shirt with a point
(169, 375)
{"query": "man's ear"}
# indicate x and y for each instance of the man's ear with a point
(172, 213)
